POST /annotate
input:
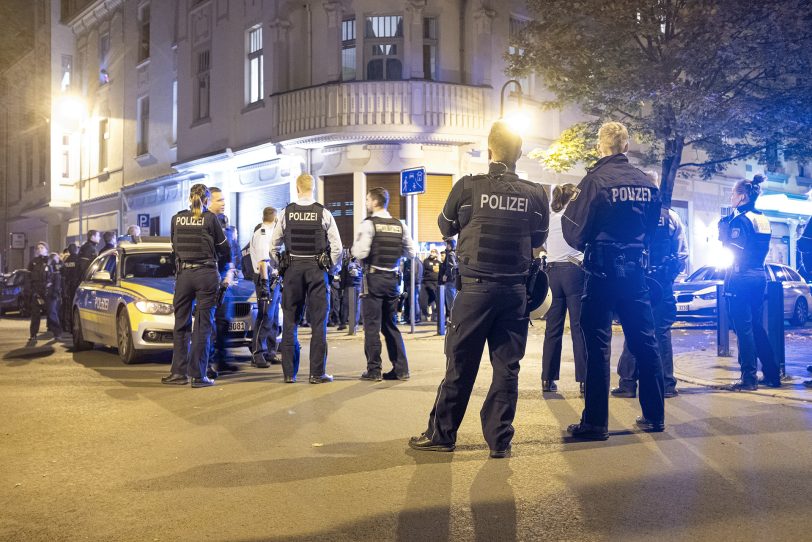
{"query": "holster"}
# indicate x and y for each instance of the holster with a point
(364, 284)
(221, 293)
(609, 261)
(324, 261)
(284, 263)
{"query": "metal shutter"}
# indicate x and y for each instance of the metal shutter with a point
(391, 182)
(251, 203)
(430, 205)
(338, 199)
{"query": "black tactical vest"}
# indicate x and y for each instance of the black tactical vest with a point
(387, 243)
(304, 233)
(190, 237)
(496, 239)
(748, 236)
(660, 249)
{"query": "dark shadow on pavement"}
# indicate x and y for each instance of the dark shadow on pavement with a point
(426, 512)
(493, 503)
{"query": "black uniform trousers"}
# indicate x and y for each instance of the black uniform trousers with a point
(665, 314)
(427, 296)
(194, 289)
(38, 307)
(746, 305)
(483, 311)
(304, 279)
(222, 317)
(266, 328)
(629, 297)
(566, 288)
(380, 307)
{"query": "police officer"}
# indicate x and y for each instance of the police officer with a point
(109, 239)
(313, 248)
(87, 253)
(431, 276)
(381, 242)
(266, 329)
(746, 232)
(351, 277)
(667, 257)
(70, 280)
(500, 218)
(611, 219)
(407, 288)
(225, 268)
(198, 242)
(53, 299)
(449, 269)
(40, 272)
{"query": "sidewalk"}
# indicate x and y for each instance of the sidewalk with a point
(703, 367)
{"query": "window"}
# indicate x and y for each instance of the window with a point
(65, 156)
(104, 135)
(430, 48)
(348, 64)
(255, 65)
(29, 164)
(143, 33)
(67, 70)
(174, 112)
(515, 31)
(104, 57)
(384, 47)
(203, 91)
(142, 129)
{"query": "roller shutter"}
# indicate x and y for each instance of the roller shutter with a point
(338, 200)
(391, 182)
(430, 205)
(250, 205)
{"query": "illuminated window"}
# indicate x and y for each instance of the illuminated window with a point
(104, 58)
(65, 156)
(384, 47)
(255, 65)
(67, 71)
(348, 64)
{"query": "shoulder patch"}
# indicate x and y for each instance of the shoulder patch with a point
(575, 194)
(735, 233)
(760, 223)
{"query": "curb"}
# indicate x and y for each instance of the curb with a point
(718, 386)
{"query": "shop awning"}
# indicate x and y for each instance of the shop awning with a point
(781, 203)
(103, 222)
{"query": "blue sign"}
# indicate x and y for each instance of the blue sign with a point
(143, 221)
(413, 181)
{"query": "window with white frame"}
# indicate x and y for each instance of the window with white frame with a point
(348, 63)
(203, 85)
(104, 57)
(65, 156)
(104, 137)
(430, 65)
(143, 33)
(67, 72)
(142, 128)
(383, 41)
(255, 66)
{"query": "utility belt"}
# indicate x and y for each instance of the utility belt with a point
(323, 260)
(611, 261)
(197, 265)
(507, 281)
(553, 265)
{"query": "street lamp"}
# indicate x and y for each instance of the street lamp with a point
(519, 120)
(73, 112)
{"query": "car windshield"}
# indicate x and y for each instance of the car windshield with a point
(707, 273)
(155, 265)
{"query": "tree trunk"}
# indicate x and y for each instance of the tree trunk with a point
(671, 163)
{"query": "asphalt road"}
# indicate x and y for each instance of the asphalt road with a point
(93, 449)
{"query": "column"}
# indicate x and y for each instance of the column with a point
(482, 61)
(332, 43)
(413, 54)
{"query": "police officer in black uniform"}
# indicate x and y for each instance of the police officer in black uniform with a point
(70, 282)
(746, 232)
(198, 242)
(87, 253)
(667, 257)
(500, 218)
(612, 219)
(41, 275)
(313, 247)
(381, 242)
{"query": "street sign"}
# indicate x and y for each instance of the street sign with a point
(143, 221)
(413, 181)
(18, 240)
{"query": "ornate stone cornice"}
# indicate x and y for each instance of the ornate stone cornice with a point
(92, 15)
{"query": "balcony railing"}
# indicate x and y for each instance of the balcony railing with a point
(381, 106)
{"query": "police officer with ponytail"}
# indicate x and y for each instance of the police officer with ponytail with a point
(500, 218)
(746, 232)
(198, 242)
(313, 249)
(612, 219)
(381, 242)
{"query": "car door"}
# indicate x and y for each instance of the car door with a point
(106, 301)
(86, 296)
(779, 275)
(795, 288)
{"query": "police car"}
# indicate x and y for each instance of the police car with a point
(696, 296)
(125, 301)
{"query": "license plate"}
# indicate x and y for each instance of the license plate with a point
(236, 326)
(683, 307)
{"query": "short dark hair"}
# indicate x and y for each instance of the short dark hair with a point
(91, 233)
(109, 236)
(214, 189)
(504, 143)
(380, 195)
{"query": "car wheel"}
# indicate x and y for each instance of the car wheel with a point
(79, 342)
(126, 350)
(800, 314)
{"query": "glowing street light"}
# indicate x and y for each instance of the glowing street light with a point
(73, 112)
(519, 120)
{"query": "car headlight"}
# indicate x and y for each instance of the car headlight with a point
(153, 307)
(708, 296)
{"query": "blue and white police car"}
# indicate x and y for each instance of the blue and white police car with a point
(125, 301)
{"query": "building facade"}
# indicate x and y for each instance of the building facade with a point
(247, 94)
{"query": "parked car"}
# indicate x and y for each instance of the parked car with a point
(125, 300)
(696, 296)
(15, 293)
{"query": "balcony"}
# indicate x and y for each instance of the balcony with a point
(421, 111)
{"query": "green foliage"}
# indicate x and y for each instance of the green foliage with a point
(730, 78)
(575, 144)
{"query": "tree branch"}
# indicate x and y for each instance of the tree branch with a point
(721, 161)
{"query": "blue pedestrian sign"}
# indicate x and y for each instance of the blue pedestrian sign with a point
(143, 221)
(413, 181)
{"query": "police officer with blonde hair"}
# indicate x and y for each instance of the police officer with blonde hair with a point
(500, 218)
(612, 219)
(313, 249)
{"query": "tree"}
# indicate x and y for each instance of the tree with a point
(730, 78)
